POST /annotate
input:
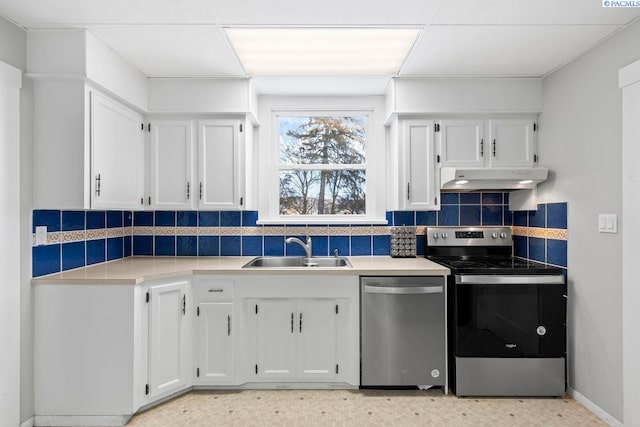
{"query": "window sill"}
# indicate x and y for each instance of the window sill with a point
(329, 221)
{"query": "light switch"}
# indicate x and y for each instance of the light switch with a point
(41, 235)
(608, 223)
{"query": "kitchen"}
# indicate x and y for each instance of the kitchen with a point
(556, 64)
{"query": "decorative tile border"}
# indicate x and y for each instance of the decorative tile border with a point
(541, 233)
(83, 235)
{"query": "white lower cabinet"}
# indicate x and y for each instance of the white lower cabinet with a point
(317, 346)
(214, 360)
(296, 339)
(169, 341)
(102, 351)
(274, 327)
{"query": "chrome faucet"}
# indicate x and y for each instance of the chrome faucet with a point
(306, 246)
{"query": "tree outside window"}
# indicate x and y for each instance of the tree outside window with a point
(322, 165)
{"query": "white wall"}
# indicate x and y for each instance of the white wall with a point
(630, 249)
(10, 83)
(13, 43)
(580, 140)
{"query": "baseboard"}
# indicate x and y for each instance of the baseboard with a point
(28, 423)
(80, 420)
(601, 413)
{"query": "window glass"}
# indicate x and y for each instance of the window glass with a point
(322, 165)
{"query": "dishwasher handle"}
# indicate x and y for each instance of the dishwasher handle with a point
(403, 290)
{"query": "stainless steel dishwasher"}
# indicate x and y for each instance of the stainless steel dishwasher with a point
(403, 331)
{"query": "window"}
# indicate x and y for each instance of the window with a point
(321, 160)
(322, 164)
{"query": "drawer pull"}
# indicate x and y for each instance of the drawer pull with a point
(216, 290)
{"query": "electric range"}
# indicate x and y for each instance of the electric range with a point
(506, 315)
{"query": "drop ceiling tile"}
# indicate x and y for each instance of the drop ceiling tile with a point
(172, 50)
(34, 13)
(518, 12)
(500, 50)
(327, 12)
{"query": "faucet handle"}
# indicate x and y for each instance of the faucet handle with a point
(335, 252)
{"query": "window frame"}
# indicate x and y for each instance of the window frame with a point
(269, 208)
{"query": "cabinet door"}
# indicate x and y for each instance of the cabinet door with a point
(512, 143)
(117, 148)
(317, 339)
(171, 164)
(219, 163)
(421, 175)
(461, 143)
(275, 333)
(215, 341)
(168, 355)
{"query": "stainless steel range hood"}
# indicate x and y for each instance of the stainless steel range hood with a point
(465, 178)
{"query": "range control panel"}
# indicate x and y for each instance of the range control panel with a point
(468, 236)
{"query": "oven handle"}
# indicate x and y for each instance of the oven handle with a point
(509, 280)
(399, 290)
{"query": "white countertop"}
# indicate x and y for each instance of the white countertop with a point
(137, 269)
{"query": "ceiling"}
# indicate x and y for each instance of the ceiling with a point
(169, 38)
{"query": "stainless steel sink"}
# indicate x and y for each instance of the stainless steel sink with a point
(298, 262)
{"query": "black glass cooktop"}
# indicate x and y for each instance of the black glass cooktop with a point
(494, 265)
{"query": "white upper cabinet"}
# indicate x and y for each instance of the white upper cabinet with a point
(487, 143)
(461, 143)
(421, 183)
(512, 143)
(171, 164)
(219, 164)
(88, 149)
(117, 155)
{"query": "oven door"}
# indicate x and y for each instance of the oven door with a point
(510, 316)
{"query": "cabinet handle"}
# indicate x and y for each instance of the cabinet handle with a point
(216, 290)
(201, 191)
(482, 148)
(408, 190)
(184, 305)
(291, 322)
(229, 325)
(188, 190)
(98, 179)
(494, 148)
(300, 322)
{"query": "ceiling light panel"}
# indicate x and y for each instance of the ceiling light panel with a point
(322, 51)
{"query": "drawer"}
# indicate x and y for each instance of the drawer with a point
(206, 290)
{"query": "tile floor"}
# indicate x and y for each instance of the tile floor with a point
(360, 408)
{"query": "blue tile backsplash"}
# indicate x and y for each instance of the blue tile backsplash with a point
(79, 238)
(542, 235)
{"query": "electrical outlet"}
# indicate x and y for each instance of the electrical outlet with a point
(41, 235)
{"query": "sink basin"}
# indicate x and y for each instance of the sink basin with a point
(298, 262)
